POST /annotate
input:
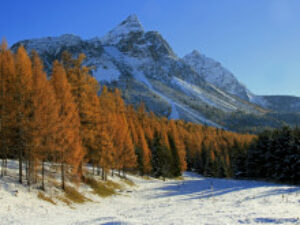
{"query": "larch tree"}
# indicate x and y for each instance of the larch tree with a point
(7, 76)
(92, 130)
(84, 87)
(68, 141)
(125, 152)
(22, 102)
(105, 151)
(145, 153)
(44, 119)
(109, 123)
(177, 147)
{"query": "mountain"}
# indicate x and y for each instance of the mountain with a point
(144, 66)
(213, 72)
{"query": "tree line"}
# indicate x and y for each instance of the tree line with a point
(62, 120)
(275, 155)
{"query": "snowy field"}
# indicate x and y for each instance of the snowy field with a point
(194, 200)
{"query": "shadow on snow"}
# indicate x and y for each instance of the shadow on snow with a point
(200, 187)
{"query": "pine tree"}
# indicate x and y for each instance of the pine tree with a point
(161, 157)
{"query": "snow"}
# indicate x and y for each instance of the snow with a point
(131, 24)
(194, 200)
(135, 64)
(214, 73)
(107, 73)
(259, 100)
(211, 100)
(174, 114)
(174, 105)
(149, 56)
(52, 44)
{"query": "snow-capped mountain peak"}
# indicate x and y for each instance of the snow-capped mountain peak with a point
(130, 25)
(143, 65)
(213, 72)
(195, 53)
(132, 21)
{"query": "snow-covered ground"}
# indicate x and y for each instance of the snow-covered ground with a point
(194, 200)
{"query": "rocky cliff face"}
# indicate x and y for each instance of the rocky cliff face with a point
(213, 72)
(144, 66)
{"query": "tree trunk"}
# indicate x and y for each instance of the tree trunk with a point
(103, 174)
(28, 172)
(112, 172)
(5, 167)
(63, 176)
(2, 168)
(43, 176)
(35, 169)
(80, 170)
(93, 169)
(98, 169)
(20, 166)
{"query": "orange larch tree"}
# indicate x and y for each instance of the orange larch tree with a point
(68, 141)
(44, 119)
(22, 102)
(178, 146)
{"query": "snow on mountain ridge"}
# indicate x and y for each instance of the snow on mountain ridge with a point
(51, 42)
(131, 59)
(143, 65)
(130, 24)
(214, 73)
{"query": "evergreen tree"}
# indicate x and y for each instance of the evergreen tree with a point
(161, 157)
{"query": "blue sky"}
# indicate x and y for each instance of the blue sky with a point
(258, 40)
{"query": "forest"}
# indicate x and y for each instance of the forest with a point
(67, 120)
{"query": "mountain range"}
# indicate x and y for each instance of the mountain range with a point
(195, 88)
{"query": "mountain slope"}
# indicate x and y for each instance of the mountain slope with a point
(143, 65)
(214, 73)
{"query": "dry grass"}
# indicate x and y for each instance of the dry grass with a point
(74, 196)
(42, 196)
(147, 178)
(54, 183)
(66, 201)
(100, 188)
(129, 182)
(179, 178)
(114, 185)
